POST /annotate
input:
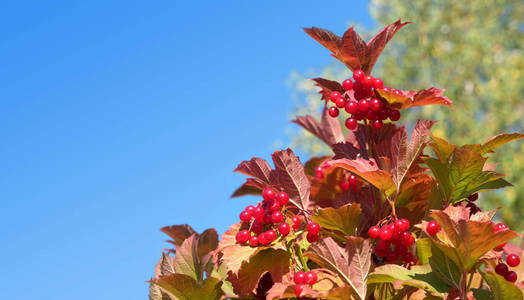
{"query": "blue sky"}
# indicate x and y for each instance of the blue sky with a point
(120, 117)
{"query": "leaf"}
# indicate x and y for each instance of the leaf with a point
(290, 174)
(328, 130)
(207, 242)
(165, 266)
(344, 219)
(313, 163)
(346, 150)
(233, 254)
(185, 287)
(352, 263)
(274, 261)
(178, 233)
(246, 189)
(423, 250)
(405, 154)
(499, 140)
(501, 288)
(415, 98)
(186, 260)
(420, 277)
(287, 290)
(328, 86)
(351, 49)
(257, 168)
(444, 267)
(369, 171)
(156, 293)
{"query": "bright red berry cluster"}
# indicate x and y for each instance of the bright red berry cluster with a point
(394, 234)
(302, 278)
(502, 269)
(363, 103)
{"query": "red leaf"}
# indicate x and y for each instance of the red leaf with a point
(290, 174)
(414, 98)
(327, 86)
(178, 233)
(257, 168)
(328, 130)
(369, 171)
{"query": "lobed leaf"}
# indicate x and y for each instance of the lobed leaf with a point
(369, 171)
(327, 87)
(328, 130)
(178, 233)
(420, 277)
(499, 140)
(290, 174)
(501, 288)
(344, 219)
(184, 287)
(414, 98)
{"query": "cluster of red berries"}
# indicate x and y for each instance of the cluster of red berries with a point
(302, 278)
(502, 269)
(349, 183)
(268, 218)
(394, 234)
(366, 104)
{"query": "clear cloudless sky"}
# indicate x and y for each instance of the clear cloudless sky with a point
(120, 117)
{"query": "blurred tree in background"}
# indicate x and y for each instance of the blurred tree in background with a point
(470, 48)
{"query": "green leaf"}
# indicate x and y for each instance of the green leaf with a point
(184, 287)
(424, 250)
(499, 140)
(344, 219)
(186, 260)
(420, 277)
(482, 294)
(501, 288)
(444, 267)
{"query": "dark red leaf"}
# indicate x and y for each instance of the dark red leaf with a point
(328, 86)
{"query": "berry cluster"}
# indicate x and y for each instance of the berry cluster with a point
(302, 278)
(349, 183)
(365, 104)
(394, 234)
(502, 269)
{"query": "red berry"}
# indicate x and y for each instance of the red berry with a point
(334, 96)
(359, 115)
(380, 252)
(347, 84)
(340, 103)
(363, 105)
(432, 228)
(351, 123)
(282, 198)
(383, 114)
(402, 225)
(267, 218)
(351, 107)
(296, 222)
(511, 276)
(253, 241)
(374, 232)
(394, 115)
(312, 238)
(313, 228)
(371, 115)
(258, 214)
(263, 239)
(385, 234)
(271, 235)
(299, 288)
(242, 236)
(408, 257)
(277, 217)
(311, 278)
(500, 227)
(377, 124)
(245, 216)
(501, 269)
(333, 111)
(473, 197)
(375, 104)
(367, 82)
(377, 83)
(250, 209)
(274, 206)
(284, 229)
(382, 244)
(319, 173)
(391, 256)
(257, 227)
(407, 239)
(401, 249)
(268, 194)
(344, 185)
(352, 180)
(358, 75)
(299, 277)
(512, 260)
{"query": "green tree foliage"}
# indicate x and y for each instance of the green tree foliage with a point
(473, 49)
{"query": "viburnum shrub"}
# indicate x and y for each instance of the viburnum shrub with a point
(384, 217)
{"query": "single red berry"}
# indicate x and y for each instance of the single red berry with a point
(352, 180)
(377, 124)
(473, 197)
(363, 105)
(358, 75)
(432, 228)
(377, 83)
(371, 115)
(313, 228)
(282, 198)
(512, 260)
(367, 82)
(257, 227)
(382, 244)
(391, 256)
(347, 84)
(312, 238)
(402, 225)
(407, 239)
(271, 235)
(242, 236)
(311, 278)
(299, 288)
(277, 217)
(267, 217)
(408, 257)
(245, 216)
(334, 96)
(385, 234)
(284, 229)
(258, 214)
(319, 173)
(299, 277)
(374, 232)
(394, 115)
(253, 241)
(368, 93)
(383, 114)
(375, 104)
(268, 194)
(359, 115)
(351, 123)
(273, 206)
(296, 222)
(250, 209)
(263, 239)
(500, 227)
(511, 276)
(333, 111)
(351, 107)
(501, 269)
(344, 185)
(340, 103)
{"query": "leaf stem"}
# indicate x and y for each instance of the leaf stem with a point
(303, 260)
